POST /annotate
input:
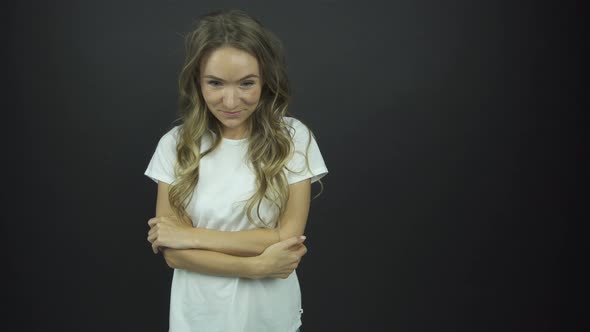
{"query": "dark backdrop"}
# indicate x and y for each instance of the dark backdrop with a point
(451, 130)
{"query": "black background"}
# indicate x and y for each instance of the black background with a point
(452, 131)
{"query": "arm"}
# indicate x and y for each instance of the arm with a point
(253, 242)
(279, 260)
(213, 263)
(238, 243)
(204, 261)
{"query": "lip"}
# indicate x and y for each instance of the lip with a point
(232, 114)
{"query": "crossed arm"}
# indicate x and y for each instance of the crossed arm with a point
(226, 253)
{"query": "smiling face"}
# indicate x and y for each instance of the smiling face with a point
(231, 86)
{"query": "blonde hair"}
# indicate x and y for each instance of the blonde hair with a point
(270, 145)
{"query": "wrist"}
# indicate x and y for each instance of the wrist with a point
(255, 267)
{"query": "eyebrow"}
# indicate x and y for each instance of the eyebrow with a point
(221, 79)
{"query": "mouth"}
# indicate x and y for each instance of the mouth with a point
(231, 114)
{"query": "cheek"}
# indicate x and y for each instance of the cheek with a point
(252, 96)
(209, 96)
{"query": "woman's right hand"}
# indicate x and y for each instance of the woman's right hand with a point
(282, 258)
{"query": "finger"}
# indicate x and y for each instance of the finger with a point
(298, 243)
(155, 247)
(152, 235)
(152, 221)
(302, 251)
(292, 241)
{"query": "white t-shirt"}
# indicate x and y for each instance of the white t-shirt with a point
(207, 303)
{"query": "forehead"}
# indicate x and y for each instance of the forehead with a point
(229, 63)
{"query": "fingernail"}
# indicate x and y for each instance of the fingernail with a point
(303, 237)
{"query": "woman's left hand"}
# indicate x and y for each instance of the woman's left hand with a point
(169, 232)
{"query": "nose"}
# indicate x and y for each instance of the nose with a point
(229, 99)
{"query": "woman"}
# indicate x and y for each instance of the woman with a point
(234, 182)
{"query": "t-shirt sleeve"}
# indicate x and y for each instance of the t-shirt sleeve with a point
(161, 166)
(297, 166)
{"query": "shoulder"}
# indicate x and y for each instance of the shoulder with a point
(168, 141)
(171, 136)
(295, 126)
(291, 121)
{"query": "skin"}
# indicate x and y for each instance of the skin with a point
(169, 232)
(230, 81)
(278, 260)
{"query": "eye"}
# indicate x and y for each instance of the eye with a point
(214, 83)
(248, 83)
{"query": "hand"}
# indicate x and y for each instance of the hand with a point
(169, 232)
(282, 258)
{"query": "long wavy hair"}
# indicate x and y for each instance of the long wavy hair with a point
(270, 145)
